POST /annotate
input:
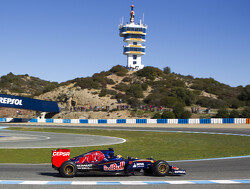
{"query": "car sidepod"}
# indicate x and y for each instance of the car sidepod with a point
(115, 166)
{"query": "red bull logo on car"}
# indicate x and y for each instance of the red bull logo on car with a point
(115, 167)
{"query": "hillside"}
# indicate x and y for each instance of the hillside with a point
(119, 93)
(25, 85)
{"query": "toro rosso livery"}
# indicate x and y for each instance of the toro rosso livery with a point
(106, 161)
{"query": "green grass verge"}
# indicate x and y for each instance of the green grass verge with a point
(165, 146)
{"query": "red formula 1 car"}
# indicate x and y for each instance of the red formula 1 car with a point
(106, 161)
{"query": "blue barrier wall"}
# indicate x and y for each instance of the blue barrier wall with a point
(84, 121)
(102, 121)
(205, 121)
(49, 120)
(121, 121)
(162, 121)
(134, 121)
(66, 120)
(33, 120)
(228, 120)
(141, 120)
(2, 119)
(183, 121)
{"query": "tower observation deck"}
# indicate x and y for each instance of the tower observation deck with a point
(134, 35)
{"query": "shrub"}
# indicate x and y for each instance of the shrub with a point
(185, 96)
(119, 70)
(156, 116)
(104, 92)
(168, 115)
(149, 72)
(135, 90)
(122, 87)
(86, 83)
(121, 97)
(222, 113)
(235, 103)
(178, 110)
(245, 94)
(211, 103)
(144, 86)
(246, 112)
(234, 114)
(134, 102)
(185, 115)
(167, 70)
(127, 79)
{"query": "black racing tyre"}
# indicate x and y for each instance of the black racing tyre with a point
(160, 168)
(68, 169)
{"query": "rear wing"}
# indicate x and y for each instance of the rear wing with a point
(59, 156)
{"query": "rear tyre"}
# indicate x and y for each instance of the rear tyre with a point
(160, 168)
(68, 169)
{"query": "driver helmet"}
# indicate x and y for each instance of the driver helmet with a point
(119, 156)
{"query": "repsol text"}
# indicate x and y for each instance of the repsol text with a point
(5, 100)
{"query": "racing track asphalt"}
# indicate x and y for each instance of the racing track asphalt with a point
(217, 169)
(23, 139)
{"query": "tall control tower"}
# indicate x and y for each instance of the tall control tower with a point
(134, 35)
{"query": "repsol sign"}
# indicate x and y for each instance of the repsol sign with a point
(4, 100)
(11, 101)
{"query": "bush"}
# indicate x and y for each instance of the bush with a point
(178, 110)
(169, 101)
(235, 103)
(167, 70)
(122, 87)
(211, 103)
(127, 79)
(121, 97)
(245, 94)
(134, 102)
(144, 86)
(135, 90)
(104, 92)
(185, 96)
(246, 112)
(119, 70)
(234, 114)
(185, 115)
(87, 83)
(168, 115)
(222, 113)
(156, 116)
(149, 72)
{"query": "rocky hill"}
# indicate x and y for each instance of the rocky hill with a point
(25, 85)
(119, 93)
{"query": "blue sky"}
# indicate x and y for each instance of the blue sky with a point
(59, 40)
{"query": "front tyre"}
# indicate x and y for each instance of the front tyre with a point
(160, 168)
(68, 169)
